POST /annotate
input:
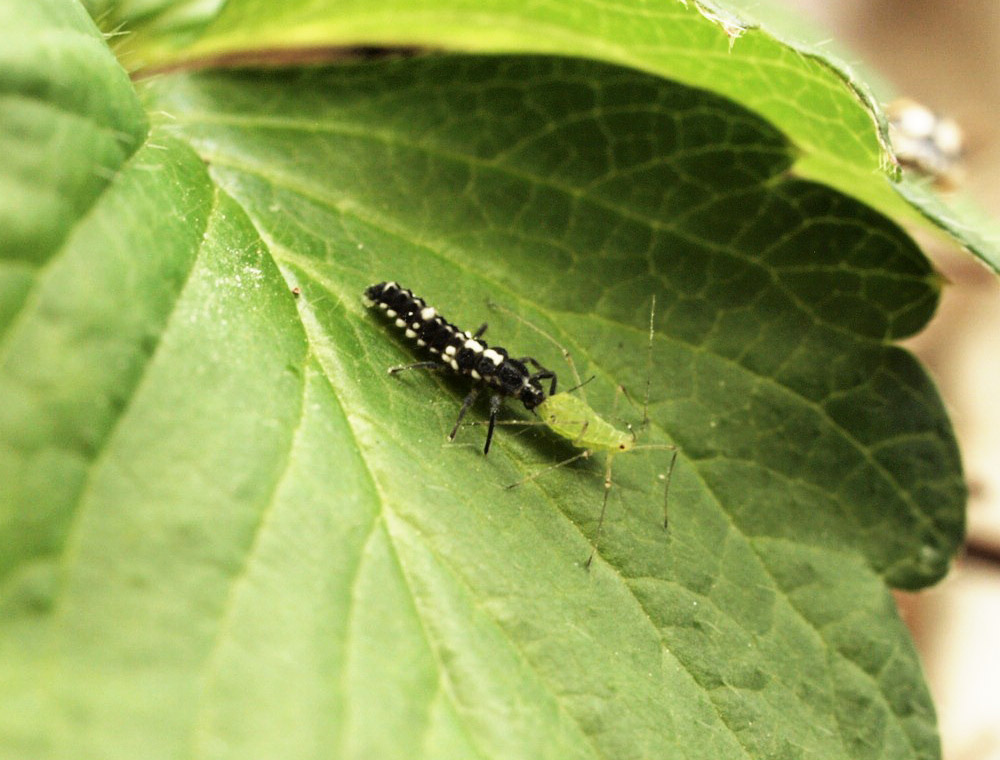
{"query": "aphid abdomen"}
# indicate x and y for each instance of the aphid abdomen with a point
(569, 417)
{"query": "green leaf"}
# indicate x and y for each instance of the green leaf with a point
(69, 120)
(773, 65)
(228, 532)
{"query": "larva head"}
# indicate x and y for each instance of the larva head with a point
(531, 394)
(374, 293)
(511, 377)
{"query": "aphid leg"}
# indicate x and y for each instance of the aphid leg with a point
(480, 330)
(583, 431)
(550, 468)
(670, 471)
(418, 365)
(649, 361)
(469, 401)
(666, 488)
(607, 490)
(495, 400)
(604, 507)
(619, 392)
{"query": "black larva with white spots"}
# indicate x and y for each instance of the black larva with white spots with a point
(461, 351)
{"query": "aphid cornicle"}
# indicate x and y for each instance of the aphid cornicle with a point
(463, 352)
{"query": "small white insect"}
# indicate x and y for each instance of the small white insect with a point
(927, 142)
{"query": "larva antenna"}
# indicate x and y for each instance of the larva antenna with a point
(577, 384)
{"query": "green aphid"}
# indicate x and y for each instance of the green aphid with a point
(570, 417)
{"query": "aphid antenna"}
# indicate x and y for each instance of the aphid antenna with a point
(585, 454)
(578, 387)
(524, 425)
(668, 477)
(622, 390)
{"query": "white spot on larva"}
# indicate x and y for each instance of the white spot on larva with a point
(415, 326)
(433, 350)
(467, 334)
(422, 342)
(428, 314)
(450, 350)
(410, 334)
(368, 301)
(454, 365)
(493, 356)
(383, 306)
(475, 345)
(475, 375)
(390, 313)
(400, 323)
(389, 285)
